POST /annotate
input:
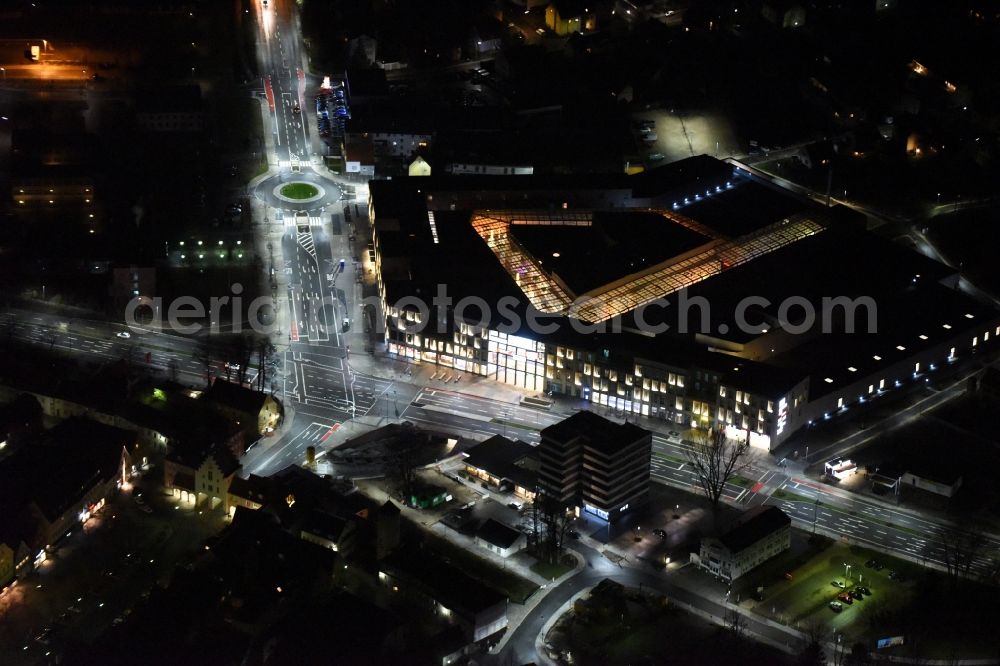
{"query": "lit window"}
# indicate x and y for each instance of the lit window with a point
(852, 369)
(900, 347)
(877, 357)
(828, 380)
(923, 337)
(946, 326)
(968, 316)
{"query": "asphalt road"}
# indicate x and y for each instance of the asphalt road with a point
(520, 647)
(323, 389)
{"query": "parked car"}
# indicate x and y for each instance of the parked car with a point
(573, 534)
(836, 606)
(896, 576)
(656, 157)
(845, 597)
(863, 590)
(838, 583)
(514, 505)
(660, 533)
(857, 594)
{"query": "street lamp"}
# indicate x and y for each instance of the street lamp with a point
(847, 570)
(4, 70)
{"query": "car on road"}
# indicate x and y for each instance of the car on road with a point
(145, 508)
(836, 606)
(124, 335)
(234, 367)
(296, 109)
(660, 533)
(845, 597)
(573, 534)
(838, 583)
(656, 157)
(514, 505)
(74, 610)
(44, 636)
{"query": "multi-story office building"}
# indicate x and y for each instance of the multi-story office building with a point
(698, 293)
(595, 465)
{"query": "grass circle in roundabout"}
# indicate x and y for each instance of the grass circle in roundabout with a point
(299, 190)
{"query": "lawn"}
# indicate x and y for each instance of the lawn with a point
(798, 592)
(516, 588)
(552, 571)
(648, 631)
(299, 191)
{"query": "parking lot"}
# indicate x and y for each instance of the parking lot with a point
(675, 135)
(829, 588)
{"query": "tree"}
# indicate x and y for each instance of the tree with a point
(403, 470)
(736, 624)
(812, 653)
(962, 545)
(551, 522)
(716, 460)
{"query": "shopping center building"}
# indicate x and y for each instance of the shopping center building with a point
(631, 292)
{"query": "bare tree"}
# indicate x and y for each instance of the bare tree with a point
(551, 522)
(716, 460)
(812, 653)
(204, 354)
(736, 624)
(962, 545)
(403, 470)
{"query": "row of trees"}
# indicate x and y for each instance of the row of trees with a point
(236, 354)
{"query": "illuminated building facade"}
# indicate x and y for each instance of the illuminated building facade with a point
(592, 257)
(595, 465)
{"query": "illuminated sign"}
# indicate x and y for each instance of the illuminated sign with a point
(889, 642)
(600, 513)
(782, 415)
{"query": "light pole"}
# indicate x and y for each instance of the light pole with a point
(847, 570)
(4, 70)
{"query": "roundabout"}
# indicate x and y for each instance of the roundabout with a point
(296, 191)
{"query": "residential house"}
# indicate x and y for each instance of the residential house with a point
(196, 474)
(499, 538)
(565, 17)
(256, 411)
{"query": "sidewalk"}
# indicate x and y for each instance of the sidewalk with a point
(515, 612)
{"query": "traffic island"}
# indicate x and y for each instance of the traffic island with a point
(299, 191)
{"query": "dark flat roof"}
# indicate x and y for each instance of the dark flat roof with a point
(743, 209)
(753, 526)
(599, 433)
(615, 245)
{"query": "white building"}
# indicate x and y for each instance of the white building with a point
(761, 533)
(500, 539)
